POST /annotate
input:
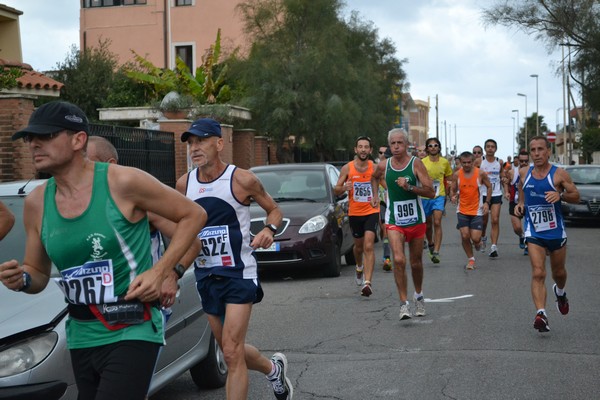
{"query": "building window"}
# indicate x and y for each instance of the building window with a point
(111, 3)
(186, 53)
(179, 3)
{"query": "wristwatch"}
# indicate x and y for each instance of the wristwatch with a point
(179, 270)
(271, 227)
(410, 187)
(26, 282)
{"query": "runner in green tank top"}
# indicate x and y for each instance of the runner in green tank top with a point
(407, 179)
(90, 220)
(406, 208)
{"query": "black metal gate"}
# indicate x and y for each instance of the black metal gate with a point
(148, 150)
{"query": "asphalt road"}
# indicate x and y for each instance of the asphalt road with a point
(476, 342)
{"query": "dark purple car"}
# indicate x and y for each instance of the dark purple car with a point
(315, 231)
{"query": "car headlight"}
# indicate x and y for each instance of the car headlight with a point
(26, 354)
(314, 224)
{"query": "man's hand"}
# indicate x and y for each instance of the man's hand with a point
(146, 287)
(11, 275)
(263, 239)
(519, 210)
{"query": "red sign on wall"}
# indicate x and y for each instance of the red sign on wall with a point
(551, 136)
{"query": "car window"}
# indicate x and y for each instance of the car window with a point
(585, 176)
(334, 175)
(302, 184)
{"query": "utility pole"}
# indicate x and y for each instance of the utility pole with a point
(437, 122)
(445, 138)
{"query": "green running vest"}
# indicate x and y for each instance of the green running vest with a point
(404, 208)
(98, 254)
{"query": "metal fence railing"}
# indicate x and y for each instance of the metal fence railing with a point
(148, 150)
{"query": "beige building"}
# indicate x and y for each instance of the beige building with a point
(10, 34)
(160, 30)
(419, 122)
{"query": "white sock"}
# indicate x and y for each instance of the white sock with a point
(359, 268)
(418, 295)
(559, 291)
(542, 310)
(274, 371)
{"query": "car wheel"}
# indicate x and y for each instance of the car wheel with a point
(210, 373)
(349, 257)
(334, 265)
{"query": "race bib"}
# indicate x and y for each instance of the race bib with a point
(405, 212)
(216, 247)
(542, 217)
(361, 192)
(90, 283)
(436, 187)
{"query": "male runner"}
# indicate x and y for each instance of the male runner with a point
(407, 181)
(467, 182)
(355, 178)
(492, 166)
(439, 171)
(542, 188)
(511, 193)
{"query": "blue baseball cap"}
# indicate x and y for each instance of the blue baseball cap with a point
(203, 127)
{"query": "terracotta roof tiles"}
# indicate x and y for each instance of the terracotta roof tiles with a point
(32, 79)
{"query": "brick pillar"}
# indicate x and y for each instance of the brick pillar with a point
(243, 148)
(227, 153)
(261, 150)
(178, 126)
(273, 152)
(15, 157)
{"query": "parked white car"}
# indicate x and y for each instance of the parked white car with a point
(34, 361)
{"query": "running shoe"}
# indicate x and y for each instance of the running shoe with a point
(435, 257)
(522, 242)
(282, 386)
(470, 265)
(431, 247)
(541, 322)
(404, 312)
(526, 251)
(358, 278)
(493, 251)
(366, 289)
(477, 246)
(483, 244)
(562, 303)
(419, 306)
(387, 264)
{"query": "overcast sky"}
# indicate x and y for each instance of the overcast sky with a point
(476, 72)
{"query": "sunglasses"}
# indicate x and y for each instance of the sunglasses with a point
(44, 138)
(477, 152)
(433, 145)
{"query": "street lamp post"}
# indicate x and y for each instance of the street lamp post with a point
(513, 152)
(537, 111)
(524, 95)
(518, 121)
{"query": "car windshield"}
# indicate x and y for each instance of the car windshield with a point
(298, 185)
(585, 176)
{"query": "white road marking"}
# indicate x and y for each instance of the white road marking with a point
(448, 299)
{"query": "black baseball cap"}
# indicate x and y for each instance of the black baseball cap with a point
(203, 127)
(54, 117)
